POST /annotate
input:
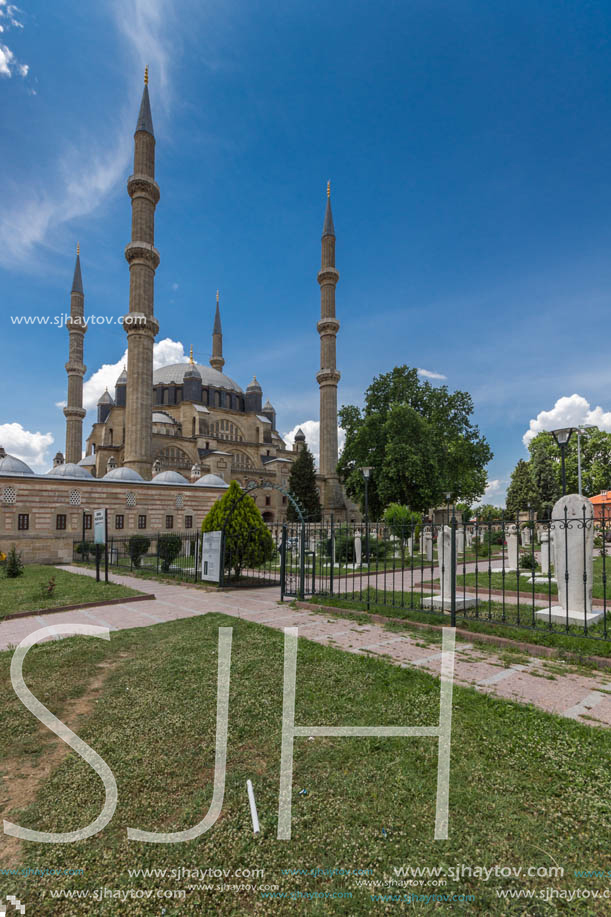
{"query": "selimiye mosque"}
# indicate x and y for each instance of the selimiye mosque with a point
(188, 423)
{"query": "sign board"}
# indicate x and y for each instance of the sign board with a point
(211, 556)
(99, 526)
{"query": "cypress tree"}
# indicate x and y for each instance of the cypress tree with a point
(302, 485)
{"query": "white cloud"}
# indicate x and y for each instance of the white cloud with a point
(568, 411)
(429, 374)
(85, 173)
(311, 428)
(8, 62)
(165, 353)
(29, 447)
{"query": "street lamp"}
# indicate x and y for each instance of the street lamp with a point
(562, 437)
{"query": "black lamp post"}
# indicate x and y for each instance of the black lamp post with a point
(366, 472)
(562, 438)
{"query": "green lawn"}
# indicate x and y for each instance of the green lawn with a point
(29, 592)
(492, 617)
(526, 788)
(496, 579)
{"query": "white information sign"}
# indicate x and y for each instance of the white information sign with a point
(99, 526)
(211, 556)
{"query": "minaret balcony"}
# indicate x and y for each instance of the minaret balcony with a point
(74, 368)
(328, 275)
(328, 376)
(142, 253)
(76, 323)
(328, 326)
(74, 412)
(138, 322)
(143, 186)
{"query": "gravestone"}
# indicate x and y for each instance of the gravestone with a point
(469, 538)
(410, 545)
(573, 548)
(358, 549)
(460, 539)
(428, 545)
(526, 536)
(443, 601)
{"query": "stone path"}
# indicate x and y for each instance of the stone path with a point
(579, 695)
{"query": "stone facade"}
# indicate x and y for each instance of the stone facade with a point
(42, 515)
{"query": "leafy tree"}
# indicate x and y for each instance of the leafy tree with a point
(248, 542)
(302, 485)
(168, 549)
(138, 545)
(14, 563)
(403, 523)
(419, 440)
(521, 493)
(488, 513)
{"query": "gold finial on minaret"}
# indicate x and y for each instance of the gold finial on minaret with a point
(328, 189)
(78, 248)
(217, 295)
(191, 355)
(146, 75)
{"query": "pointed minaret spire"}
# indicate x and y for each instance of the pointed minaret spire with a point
(328, 376)
(143, 260)
(328, 229)
(75, 368)
(216, 360)
(77, 280)
(191, 355)
(145, 119)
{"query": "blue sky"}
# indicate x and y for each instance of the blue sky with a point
(468, 145)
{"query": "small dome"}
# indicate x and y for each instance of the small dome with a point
(10, 464)
(192, 372)
(162, 417)
(169, 477)
(122, 380)
(87, 461)
(211, 480)
(105, 398)
(254, 386)
(68, 470)
(122, 474)
(268, 406)
(300, 436)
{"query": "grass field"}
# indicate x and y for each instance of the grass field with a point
(526, 788)
(29, 592)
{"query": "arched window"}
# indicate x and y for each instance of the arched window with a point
(173, 458)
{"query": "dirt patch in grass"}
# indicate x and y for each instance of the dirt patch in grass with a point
(22, 779)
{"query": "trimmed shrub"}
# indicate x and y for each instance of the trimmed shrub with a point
(137, 547)
(168, 549)
(14, 563)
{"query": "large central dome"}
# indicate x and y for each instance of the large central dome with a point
(175, 373)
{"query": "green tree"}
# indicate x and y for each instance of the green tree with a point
(403, 523)
(521, 493)
(168, 549)
(488, 513)
(419, 440)
(14, 563)
(248, 542)
(302, 485)
(138, 545)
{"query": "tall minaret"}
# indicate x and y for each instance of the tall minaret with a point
(141, 325)
(75, 367)
(328, 376)
(216, 360)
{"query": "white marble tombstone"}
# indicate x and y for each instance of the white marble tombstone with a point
(526, 536)
(428, 545)
(469, 538)
(358, 549)
(443, 601)
(513, 548)
(410, 545)
(544, 537)
(460, 539)
(573, 546)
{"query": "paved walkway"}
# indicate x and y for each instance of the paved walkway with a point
(581, 695)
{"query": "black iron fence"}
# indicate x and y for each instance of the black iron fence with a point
(546, 575)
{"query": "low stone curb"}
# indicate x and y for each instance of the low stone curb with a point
(51, 611)
(533, 649)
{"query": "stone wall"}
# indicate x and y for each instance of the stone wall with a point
(42, 500)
